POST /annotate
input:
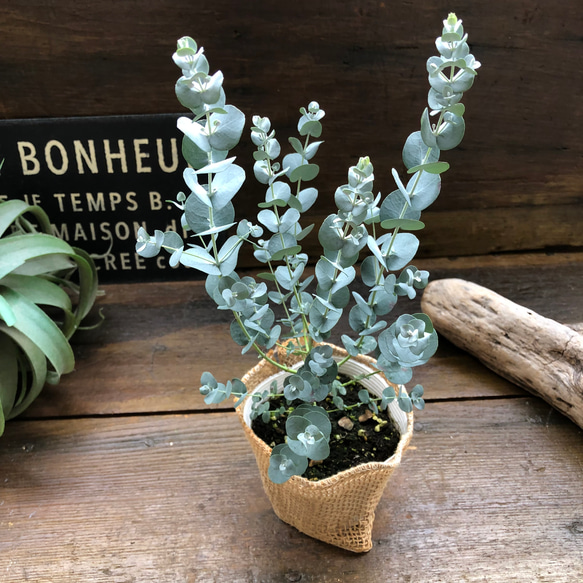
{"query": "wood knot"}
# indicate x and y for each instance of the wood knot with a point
(576, 527)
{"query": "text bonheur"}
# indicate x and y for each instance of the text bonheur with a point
(59, 159)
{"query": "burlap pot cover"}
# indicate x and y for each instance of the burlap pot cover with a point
(338, 510)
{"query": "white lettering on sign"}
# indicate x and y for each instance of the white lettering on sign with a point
(56, 156)
(119, 155)
(64, 160)
(28, 161)
(140, 168)
(125, 262)
(79, 202)
(81, 156)
(162, 161)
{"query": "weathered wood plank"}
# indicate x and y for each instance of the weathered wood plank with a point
(474, 231)
(158, 339)
(514, 184)
(489, 491)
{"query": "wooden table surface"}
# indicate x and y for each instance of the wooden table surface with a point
(122, 474)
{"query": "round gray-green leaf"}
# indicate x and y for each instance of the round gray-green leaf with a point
(403, 250)
(415, 151)
(452, 133)
(228, 131)
(424, 188)
(403, 224)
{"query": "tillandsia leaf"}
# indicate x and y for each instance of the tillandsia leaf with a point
(6, 312)
(88, 284)
(11, 210)
(33, 370)
(41, 292)
(31, 321)
(16, 250)
(9, 353)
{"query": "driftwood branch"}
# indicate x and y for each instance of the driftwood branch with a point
(532, 351)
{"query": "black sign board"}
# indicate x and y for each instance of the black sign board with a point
(99, 179)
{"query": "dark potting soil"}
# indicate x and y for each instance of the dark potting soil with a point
(369, 440)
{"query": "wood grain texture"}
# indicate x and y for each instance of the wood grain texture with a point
(515, 184)
(489, 492)
(534, 352)
(158, 338)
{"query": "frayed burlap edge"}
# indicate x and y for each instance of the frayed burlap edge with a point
(339, 510)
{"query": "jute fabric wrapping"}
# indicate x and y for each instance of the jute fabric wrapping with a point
(338, 510)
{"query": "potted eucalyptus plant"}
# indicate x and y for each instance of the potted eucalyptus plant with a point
(47, 288)
(305, 396)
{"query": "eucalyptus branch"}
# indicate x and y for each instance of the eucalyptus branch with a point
(345, 236)
(258, 350)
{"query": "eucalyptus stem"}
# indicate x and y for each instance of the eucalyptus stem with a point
(259, 351)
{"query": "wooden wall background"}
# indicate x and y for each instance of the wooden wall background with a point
(516, 182)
